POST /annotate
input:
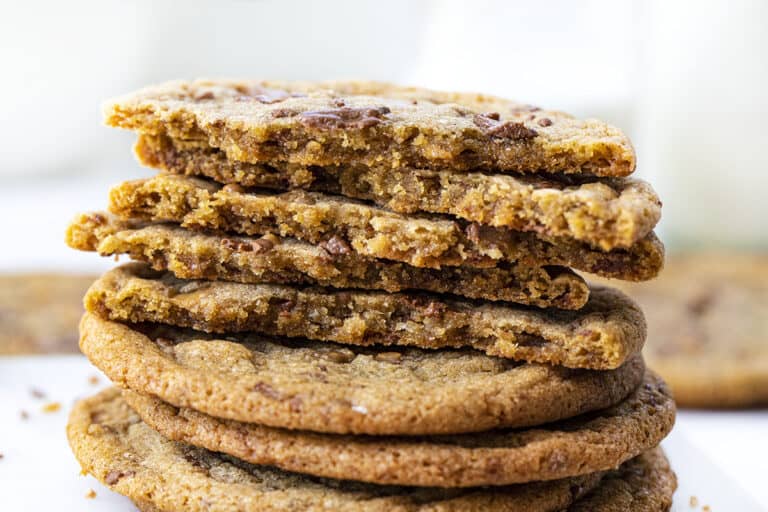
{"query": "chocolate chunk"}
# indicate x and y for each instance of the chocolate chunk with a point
(338, 102)
(268, 391)
(336, 246)
(286, 306)
(237, 245)
(545, 121)
(265, 243)
(495, 116)
(115, 476)
(514, 130)
(344, 117)
(339, 356)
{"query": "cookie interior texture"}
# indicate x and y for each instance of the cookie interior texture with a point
(112, 444)
(422, 240)
(602, 335)
(596, 441)
(321, 386)
(272, 259)
(605, 213)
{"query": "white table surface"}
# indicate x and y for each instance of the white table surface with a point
(721, 458)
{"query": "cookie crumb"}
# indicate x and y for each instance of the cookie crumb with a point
(2, 456)
(693, 502)
(93, 380)
(51, 407)
(706, 508)
(36, 393)
(24, 415)
(90, 494)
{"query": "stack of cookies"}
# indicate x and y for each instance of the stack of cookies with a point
(356, 296)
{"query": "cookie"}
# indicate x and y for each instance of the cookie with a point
(597, 441)
(645, 484)
(343, 225)
(25, 299)
(111, 443)
(607, 331)
(605, 213)
(271, 259)
(364, 123)
(324, 387)
(708, 328)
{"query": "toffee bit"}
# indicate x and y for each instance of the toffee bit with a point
(93, 380)
(51, 407)
(90, 494)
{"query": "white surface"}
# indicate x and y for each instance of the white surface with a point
(709, 451)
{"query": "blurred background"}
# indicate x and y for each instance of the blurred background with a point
(685, 79)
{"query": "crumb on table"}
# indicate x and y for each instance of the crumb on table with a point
(90, 494)
(51, 407)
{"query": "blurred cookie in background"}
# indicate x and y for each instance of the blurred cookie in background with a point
(39, 313)
(707, 319)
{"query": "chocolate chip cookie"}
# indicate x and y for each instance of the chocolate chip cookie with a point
(605, 213)
(39, 312)
(112, 444)
(324, 387)
(368, 123)
(272, 259)
(597, 441)
(343, 225)
(602, 335)
(708, 328)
